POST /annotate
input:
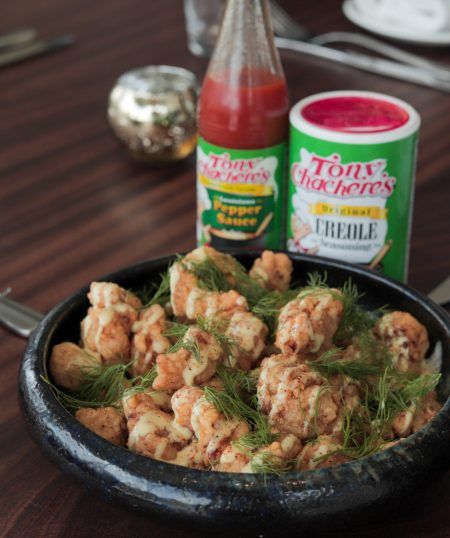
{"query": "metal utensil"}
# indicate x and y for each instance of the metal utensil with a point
(441, 293)
(19, 318)
(17, 38)
(406, 66)
(287, 26)
(367, 63)
(33, 49)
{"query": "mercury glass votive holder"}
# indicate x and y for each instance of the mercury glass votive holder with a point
(153, 112)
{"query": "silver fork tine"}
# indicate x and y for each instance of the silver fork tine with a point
(285, 25)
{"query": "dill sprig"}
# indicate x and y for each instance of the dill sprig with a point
(355, 319)
(266, 463)
(235, 401)
(209, 275)
(216, 327)
(363, 428)
(176, 330)
(212, 277)
(156, 293)
(188, 343)
(141, 383)
(371, 359)
(102, 386)
(269, 305)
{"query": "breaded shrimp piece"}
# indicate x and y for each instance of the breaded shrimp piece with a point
(270, 374)
(427, 409)
(406, 338)
(69, 364)
(226, 263)
(233, 460)
(211, 303)
(416, 416)
(190, 456)
(308, 323)
(272, 270)
(148, 339)
(239, 460)
(314, 454)
(189, 300)
(107, 327)
(107, 422)
(213, 430)
(248, 336)
(107, 331)
(105, 294)
(186, 367)
(303, 402)
(152, 432)
(183, 401)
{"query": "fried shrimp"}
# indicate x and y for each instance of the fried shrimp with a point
(239, 460)
(190, 300)
(325, 451)
(308, 323)
(193, 364)
(152, 431)
(301, 401)
(213, 430)
(183, 400)
(148, 339)
(107, 327)
(408, 421)
(107, 422)
(406, 339)
(230, 377)
(106, 294)
(248, 336)
(69, 364)
(272, 270)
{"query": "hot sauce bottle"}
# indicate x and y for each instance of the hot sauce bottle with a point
(243, 131)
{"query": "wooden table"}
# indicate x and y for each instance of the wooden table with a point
(72, 207)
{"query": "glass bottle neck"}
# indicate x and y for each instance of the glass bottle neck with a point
(245, 46)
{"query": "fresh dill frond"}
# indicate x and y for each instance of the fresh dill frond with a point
(156, 293)
(269, 305)
(331, 363)
(189, 344)
(266, 463)
(261, 436)
(235, 401)
(236, 381)
(102, 386)
(413, 390)
(142, 383)
(247, 286)
(176, 330)
(209, 275)
(317, 280)
(216, 327)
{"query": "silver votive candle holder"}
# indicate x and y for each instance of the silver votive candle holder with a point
(153, 111)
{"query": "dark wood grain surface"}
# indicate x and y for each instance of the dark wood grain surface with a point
(72, 207)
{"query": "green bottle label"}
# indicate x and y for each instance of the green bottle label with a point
(240, 196)
(352, 202)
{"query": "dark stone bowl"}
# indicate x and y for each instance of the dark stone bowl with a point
(294, 501)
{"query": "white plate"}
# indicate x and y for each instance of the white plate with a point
(392, 30)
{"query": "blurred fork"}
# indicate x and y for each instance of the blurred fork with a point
(287, 27)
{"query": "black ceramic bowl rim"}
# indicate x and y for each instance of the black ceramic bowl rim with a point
(243, 500)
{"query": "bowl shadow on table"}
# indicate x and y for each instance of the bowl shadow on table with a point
(377, 500)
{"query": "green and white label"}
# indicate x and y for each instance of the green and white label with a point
(351, 202)
(240, 196)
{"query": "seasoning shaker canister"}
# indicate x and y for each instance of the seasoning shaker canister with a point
(351, 183)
